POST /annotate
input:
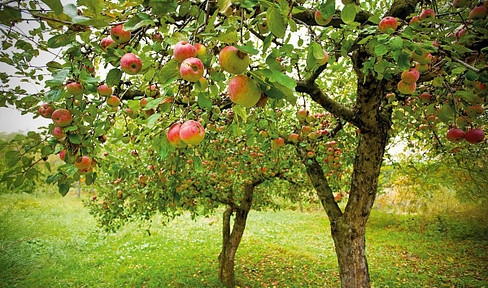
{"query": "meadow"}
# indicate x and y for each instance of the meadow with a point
(49, 241)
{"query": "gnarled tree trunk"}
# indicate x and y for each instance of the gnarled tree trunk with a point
(231, 240)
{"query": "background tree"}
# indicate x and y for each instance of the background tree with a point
(376, 48)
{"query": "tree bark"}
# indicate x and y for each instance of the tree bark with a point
(231, 240)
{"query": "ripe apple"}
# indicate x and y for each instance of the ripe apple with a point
(478, 13)
(184, 50)
(294, 137)
(233, 60)
(279, 142)
(201, 50)
(387, 23)
(105, 90)
(244, 91)
(324, 60)
(119, 35)
(113, 101)
(46, 110)
(406, 88)
(74, 88)
(131, 113)
(263, 133)
(414, 21)
(302, 115)
(106, 42)
(130, 63)
(62, 154)
(460, 3)
(427, 14)
(61, 117)
(410, 76)
(192, 132)
(474, 136)
(263, 26)
(58, 132)
(191, 69)
(319, 18)
(310, 154)
(157, 37)
(455, 135)
(173, 136)
(425, 97)
(83, 162)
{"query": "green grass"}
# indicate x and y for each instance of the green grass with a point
(48, 241)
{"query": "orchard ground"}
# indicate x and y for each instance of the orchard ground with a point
(50, 241)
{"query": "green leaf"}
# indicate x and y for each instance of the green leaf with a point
(151, 121)
(138, 21)
(70, 10)
(224, 4)
(63, 189)
(9, 14)
(327, 9)
(197, 163)
(276, 21)
(75, 138)
(94, 6)
(284, 79)
(58, 79)
(317, 51)
(163, 7)
(113, 77)
(458, 70)
(248, 49)
(168, 73)
(60, 40)
(396, 43)
(380, 50)
(348, 13)
(203, 102)
(241, 112)
(55, 5)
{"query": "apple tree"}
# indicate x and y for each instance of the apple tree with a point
(375, 69)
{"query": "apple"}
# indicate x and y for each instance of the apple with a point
(279, 142)
(192, 132)
(310, 154)
(106, 42)
(184, 50)
(423, 58)
(83, 162)
(475, 111)
(62, 154)
(201, 50)
(319, 18)
(387, 23)
(130, 63)
(119, 35)
(455, 135)
(263, 26)
(306, 130)
(191, 69)
(294, 137)
(152, 91)
(173, 136)
(61, 117)
(478, 13)
(105, 90)
(406, 88)
(425, 97)
(324, 60)
(460, 3)
(460, 33)
(244, 91)
(233, 60)
(263, 133)
(74, 88)
(474, 136)
(410, 76)
(113, 101)
(427, 14)
(46, 110)
(131, 113)
(302, 115)
(58, 132)
(414, 21)
(157, 37)
(422, 67)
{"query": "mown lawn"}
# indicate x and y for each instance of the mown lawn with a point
(50, 241)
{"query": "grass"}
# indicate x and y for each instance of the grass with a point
(48, 241)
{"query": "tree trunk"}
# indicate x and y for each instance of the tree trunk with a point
(231, 240)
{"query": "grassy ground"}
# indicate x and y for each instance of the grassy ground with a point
(54, 242)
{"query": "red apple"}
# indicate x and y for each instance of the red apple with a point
(184, 50)
(279, 142)
(244, 91)
(294, 137)
(74, 88)
(474, 136)
(414, 20)
(233, 60)
(310, 154)
(119, 35)
(478, 13)
(387, 23)
(83, 162)
(62, 154)
(427, 14)
(191, 69)
(173, 136)
(130, 63)
(104, 90)
(201, 50)
(106, 42)
(325, 59)
(406, 88)
(58, 132)
(319, 18)
(426, 97)
(61, 117)
(46, 110)
(302, 115)
(157, 37)
(192, 132)
(113, 101)
(410, 76)
(455, 135)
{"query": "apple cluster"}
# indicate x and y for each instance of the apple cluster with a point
(473, 136)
